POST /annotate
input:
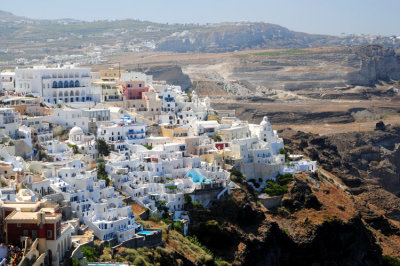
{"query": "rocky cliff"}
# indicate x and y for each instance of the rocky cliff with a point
(243, 232)
(172, 74)
(367, 163)
(376, 63)
(328, 73)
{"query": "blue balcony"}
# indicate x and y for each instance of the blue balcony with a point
(9, 116)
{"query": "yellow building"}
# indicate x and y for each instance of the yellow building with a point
(110, 74)
(173, 131)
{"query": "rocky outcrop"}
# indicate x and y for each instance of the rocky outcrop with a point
(302, 197)
(242, 232)
(368, 163)
(172, 74)
(376, 63)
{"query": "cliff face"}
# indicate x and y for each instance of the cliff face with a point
(367, 163)
(172, 74)
(358, 157)
(328, 73)
(376, 63)
(316, 232)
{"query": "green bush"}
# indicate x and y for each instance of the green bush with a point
(3, 182)
(188, 199)
(90, 253)
(286, 231)
(140, 261)
(284, 179)
(196, 241)
(197, 205)
(149, 147)
(237, 176)
(284, 152)
(274, 189)
(236, 173)
(76, 262)
(103, 147)
(178, 226)
(282, 211)
(167, 220)
(102, 174)
(211, 223)
(216, 138)
(329, 219)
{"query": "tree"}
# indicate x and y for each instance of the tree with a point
(102, 174)
(237, 176)
(274, 189)
(74, 148)
(188, 199)
(102, 147)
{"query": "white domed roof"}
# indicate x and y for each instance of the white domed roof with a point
(76, 131)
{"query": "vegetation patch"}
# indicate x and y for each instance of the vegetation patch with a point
(149, 147)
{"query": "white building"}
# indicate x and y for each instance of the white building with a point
(7, 80)
(95, 204)
(123, 130)
(8, 122)
(56, 85)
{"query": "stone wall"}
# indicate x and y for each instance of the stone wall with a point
(150, 241)
(271, 202)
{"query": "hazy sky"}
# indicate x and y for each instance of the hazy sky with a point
(312, 16)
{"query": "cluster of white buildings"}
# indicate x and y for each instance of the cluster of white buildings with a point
(163, 147)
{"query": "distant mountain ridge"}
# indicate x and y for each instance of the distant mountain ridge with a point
(9, 17)
(61, 36)
(242, 36)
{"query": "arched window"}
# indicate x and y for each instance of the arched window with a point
(71, 84)
(77, 93)
(60, 84)
(54, 84)
(60, 94)
(66, 93)
(77, 83)
(65, 84)
(71, 93)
